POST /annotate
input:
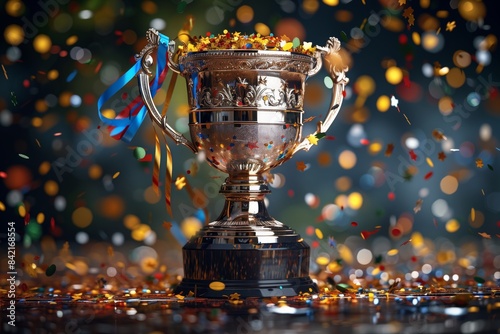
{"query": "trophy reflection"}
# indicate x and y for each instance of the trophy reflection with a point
(246, 109)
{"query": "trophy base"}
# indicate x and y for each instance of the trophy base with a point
(253, 261)
(248, 288)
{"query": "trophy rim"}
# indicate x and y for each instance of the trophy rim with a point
(246, 52)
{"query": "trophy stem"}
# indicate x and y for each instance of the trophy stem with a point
(244, 205)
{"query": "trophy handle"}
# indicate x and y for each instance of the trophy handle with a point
(143, 78)
(330, 54)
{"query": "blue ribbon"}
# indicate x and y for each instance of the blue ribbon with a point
(132, 123)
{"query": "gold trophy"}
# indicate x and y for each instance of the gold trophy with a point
(246, 108)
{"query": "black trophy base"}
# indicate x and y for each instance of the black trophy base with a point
(252, 261)
(247, 288)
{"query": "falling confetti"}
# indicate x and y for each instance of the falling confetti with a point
(331, 242)
(115, 175)
(438, 135)
(318, 233)
(479, 163)
(312, 139)
(24, 156)
(428, 175)
(389, 149)
(441, 156)
(490, 167)
(472, 214)
(395, 102)
(139, 153)
(180, 182)
(5, 72)
(413, 155)
(429, 162)
(301, 166)
(405, 243)
(484, 235)
(451, 25)
(418, 205)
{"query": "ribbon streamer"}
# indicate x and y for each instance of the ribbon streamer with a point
(126, 124)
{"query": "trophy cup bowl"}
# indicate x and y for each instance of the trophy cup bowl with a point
(246, 110)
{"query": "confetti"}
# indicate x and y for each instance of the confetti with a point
(428, 175)
(413, 155)
(429, 162)
(454, 149)
(484, 235)
(318, 233)
(472, 214)
(5, 72)
(366, 234)
(24, 156)
(343, 36)
(479, 163)
(139, 153)
(490, 167)
(441, 156)
(71, 76)
(312, 139)
(13, 98)
(418, 205)
(180, 182)
(354, 224)
(405, 243)
(394, 102)
(115, 175)
(309, 119)
(217, 286)
(331, 242)
(50, 270)
(301, 166)
(438, 135)
(402, 2)
(451, 25)
(389, 149)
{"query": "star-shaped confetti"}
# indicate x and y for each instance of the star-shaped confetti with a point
(180, 182)
(407, 12)
(252, 145)
(441, 156)
(402, 2)
(451, 25)
(313, 139)
(301, 166)
(394, 102)
(411, 20)
(167, 225)
(479, 163)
